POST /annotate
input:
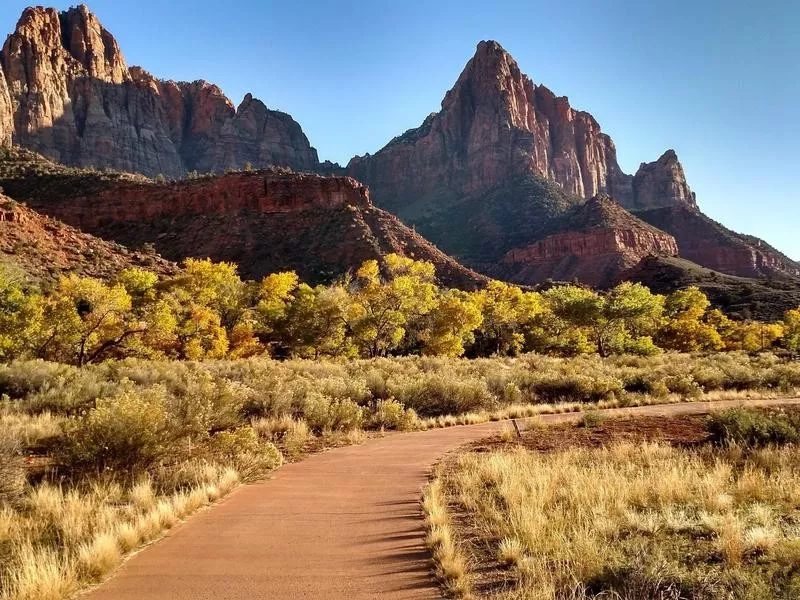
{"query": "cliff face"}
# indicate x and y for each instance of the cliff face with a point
(72, 97)
(706, 242)
(264, 221)
(495, 123)
(265, 193)
(594, 243)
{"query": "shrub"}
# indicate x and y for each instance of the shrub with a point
(753, 428)
(442, 394)
(324, 414)
(592, 419)
(128, 432)
(251, 457)
(391, 414)
(563, 387)
(12, 471)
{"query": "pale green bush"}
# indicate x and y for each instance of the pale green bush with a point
(128, 432)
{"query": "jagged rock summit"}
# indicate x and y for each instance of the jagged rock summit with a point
(494, 124)
(67, 92)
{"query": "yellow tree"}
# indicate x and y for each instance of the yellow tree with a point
(791, 325)
(216, 286)
(504, 307)
(87, 319)
(451, 324)
(689, 325)
(21, 318)
(382, 308)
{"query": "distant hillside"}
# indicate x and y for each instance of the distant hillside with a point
(765, 298)
(42, 248)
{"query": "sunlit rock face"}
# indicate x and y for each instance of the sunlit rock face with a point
(68, 93)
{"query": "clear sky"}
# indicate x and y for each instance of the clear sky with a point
(717, 80)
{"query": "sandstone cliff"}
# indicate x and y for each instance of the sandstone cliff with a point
(72, 97)
(264, 221)
(594, 243)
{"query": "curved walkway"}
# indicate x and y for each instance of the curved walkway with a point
(341, 525)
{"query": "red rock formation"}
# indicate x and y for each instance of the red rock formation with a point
(264, 221)
(258, 192)
(495, 123)
(73, 98)
(706, 242)
(593, 243)
(45, 248)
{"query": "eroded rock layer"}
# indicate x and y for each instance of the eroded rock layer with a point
(594, 243)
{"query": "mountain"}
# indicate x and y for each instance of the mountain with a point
(41, 248)
(265, 221)
(67, 93)
(497, 132)
(592, 242)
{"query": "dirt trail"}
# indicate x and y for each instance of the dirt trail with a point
(341, 525)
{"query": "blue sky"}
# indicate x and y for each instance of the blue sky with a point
(718, 81)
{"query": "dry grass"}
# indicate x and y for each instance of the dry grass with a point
(59, 540)
(633, 521)
(451, 565)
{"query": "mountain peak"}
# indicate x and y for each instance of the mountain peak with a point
(662, 183)
(73, 35)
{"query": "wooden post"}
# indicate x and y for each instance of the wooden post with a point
(516, 428)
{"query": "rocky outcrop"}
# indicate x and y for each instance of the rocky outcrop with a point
(44, 248)
(593, 243)
(73, 98)
(660, 184)
(710, 244)
(267, 192)
(495, 123)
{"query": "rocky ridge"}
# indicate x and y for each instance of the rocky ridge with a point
(264, 221)
(593, 242)
(67, 92)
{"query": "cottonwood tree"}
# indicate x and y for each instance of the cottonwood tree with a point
(86, 319)
(383, 306)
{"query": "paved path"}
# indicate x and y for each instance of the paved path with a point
(341, 525)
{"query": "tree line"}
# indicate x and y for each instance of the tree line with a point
(206, 311)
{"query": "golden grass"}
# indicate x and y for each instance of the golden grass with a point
(60, 540)
(633, 521)
(451, 565)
